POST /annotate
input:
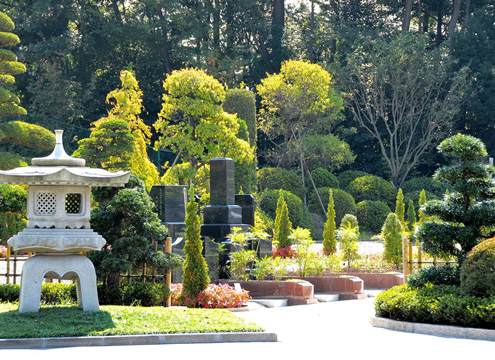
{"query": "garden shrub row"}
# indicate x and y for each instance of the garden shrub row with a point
(144, 294)
(436, 304)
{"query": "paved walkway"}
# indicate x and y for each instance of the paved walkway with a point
(336, 330)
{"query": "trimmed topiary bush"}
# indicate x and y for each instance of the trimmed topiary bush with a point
(343, 203)
(268, 199)
(478, 270)
(436, 275)
(374, 188)
(346, 177)
(467, 214)
(278, 178)
(372, 214)
(324, 178)
(428, 184)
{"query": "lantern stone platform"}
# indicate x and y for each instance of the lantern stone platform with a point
(58, 229)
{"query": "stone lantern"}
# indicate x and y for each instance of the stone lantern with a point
(58, 229)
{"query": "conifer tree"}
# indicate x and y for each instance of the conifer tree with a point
(421, 202)
(467, 214)
(9, 67)
(195, 278)
(329, 230)
(400, 207)
(283, 225)
(392, 235)
(411, 215)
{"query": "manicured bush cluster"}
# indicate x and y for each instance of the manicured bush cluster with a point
(343, 203)
(374, 188)
(372, 214)
(428, 184)
(324, 178)
(436, 275)
(440, 304)
(12, 199)
(278, 178)
(268, 199)
(478, 270)
(214, 296)
(143, 294)
(346, 177)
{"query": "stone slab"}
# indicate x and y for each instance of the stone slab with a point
(137, 340)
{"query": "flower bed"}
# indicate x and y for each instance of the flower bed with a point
(214, 296)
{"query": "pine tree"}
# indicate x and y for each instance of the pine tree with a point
(9, 67)
(283, 225)
(196, 276)
(392, 235)
(411, 215)
(400, 207)
(329, 230)
(467, 215)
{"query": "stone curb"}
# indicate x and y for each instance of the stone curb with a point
(158, 339)
(431, 329)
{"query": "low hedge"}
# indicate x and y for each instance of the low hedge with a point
(436, 304)
(144, 294)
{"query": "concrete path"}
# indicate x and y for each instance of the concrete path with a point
(335, 330)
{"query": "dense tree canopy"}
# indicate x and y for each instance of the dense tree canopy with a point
(74, 52)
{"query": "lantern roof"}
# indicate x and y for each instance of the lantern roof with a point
(58, 168)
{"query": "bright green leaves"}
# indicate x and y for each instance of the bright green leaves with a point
(193, 124)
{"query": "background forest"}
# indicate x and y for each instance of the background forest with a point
(407, 74)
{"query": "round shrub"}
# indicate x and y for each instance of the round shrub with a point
(343, 203)
(268, 199)
(372, 214)
(278, 178)
(374, 188)
(436, 275)
(478, 270)
(12, 199)
(324, 178)
(428, 184)
(346, 177)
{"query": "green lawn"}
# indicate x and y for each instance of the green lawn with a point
(58, 321)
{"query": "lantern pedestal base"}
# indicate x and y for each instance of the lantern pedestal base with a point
(63, 266)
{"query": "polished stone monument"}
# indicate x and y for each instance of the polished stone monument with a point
(58, 229)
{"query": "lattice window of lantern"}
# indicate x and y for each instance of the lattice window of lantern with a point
(73, 203)
(45, 203)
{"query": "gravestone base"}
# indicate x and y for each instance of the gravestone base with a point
(67, 267)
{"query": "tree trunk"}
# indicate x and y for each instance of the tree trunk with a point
(439, 23)
(454, 18)
(277, 32)
(216, 24)
(406, 21)
(420, 27)
(311, 50)
(467, 11)
(164, 48)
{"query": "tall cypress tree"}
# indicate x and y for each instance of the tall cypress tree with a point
(283, 225)
(400, 207)
(329, 239)
(195, 278)
(411, 215)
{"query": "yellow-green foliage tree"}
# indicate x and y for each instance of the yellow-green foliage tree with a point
(329, 230)
(300, 107)
(196, 276)
(127, 105)
(283, 225)
(15, 132)
(193, 124)
(400, 207)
